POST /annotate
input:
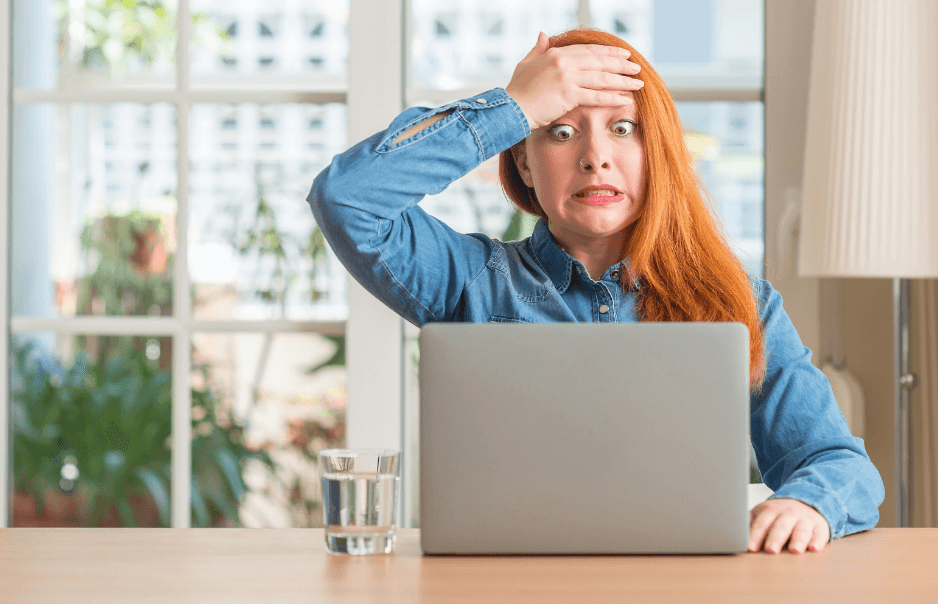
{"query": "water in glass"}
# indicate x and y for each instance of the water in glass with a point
(359, 512)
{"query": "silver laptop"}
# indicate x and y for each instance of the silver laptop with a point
(568, 438)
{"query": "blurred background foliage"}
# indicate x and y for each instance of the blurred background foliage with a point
(116, 34)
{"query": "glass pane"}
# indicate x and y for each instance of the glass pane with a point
(272, 43)
(268, 403)
(691, 43)
(91, 423)
(476, 204)
(476, 44)
(727, 143)
(255, 251)
(94, 43)
(94, 207)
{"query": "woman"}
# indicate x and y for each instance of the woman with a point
(591, 143)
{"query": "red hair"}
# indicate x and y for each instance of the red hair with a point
(677, 250)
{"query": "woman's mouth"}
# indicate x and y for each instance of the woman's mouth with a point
(599, 195)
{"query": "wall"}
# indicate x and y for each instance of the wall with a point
(866, 318)
(866, 303)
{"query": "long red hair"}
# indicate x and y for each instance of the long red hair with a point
(677, 250)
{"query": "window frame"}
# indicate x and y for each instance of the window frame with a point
(6, 141)
(181, 325)
(378, 68)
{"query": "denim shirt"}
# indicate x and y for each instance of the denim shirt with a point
(365, 202)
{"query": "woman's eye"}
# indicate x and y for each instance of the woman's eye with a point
(561, 132)
(623, 127)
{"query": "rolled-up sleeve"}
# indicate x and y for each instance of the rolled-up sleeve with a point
(802, 442)
(365, 204)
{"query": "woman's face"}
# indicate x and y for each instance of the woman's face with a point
(588, 171)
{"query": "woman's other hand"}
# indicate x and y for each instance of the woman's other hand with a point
(549, 82)
(779, 521)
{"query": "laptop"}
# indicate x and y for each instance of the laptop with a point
(572, 438)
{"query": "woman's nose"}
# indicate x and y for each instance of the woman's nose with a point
(594, 157)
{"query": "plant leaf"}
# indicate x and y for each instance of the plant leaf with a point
(199, 510)
(222, 502)
(338, 356)
(230, 468)
(126, 513)
(157, 488)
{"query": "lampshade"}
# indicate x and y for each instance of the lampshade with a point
(870, 189)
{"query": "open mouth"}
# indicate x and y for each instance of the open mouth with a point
(597, 192)
(599, 195)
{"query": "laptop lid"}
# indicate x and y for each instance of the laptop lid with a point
(570, 438)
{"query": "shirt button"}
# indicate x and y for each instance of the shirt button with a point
(603, 309)
(614, 274)
(481, 101)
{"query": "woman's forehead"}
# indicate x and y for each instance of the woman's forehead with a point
(602, 112)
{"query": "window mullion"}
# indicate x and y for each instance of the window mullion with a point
(6, 461)
(374, 331)
(232, 96)
(167, 326)
(181, 473)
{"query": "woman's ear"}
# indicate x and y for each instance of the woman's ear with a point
(520, 154)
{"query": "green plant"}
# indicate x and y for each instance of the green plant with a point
(115, 32)
(112, 423)
(218, 457)
(520, 225)
(133, 265)
(108, 416)
(268, 245)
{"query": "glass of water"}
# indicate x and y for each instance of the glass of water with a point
(360, 491)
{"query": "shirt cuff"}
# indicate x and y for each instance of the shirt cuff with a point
(496, 119)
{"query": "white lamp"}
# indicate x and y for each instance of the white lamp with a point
(870, 190)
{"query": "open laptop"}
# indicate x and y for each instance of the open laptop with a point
(567, 438)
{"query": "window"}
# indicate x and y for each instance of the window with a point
(710, 54)
(195, 190)
(179, 336)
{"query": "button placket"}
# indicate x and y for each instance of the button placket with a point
(605, 304)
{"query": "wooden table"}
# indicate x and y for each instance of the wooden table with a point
(178, 566)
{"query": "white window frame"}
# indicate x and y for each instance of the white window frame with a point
(6, 442)
(376, 336)
(181, 325)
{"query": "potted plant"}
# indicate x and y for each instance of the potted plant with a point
(92, 442)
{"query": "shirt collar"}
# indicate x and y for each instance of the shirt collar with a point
(557, 263)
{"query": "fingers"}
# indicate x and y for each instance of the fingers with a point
(550, 82)
(611, 65)
(761, 520)
(800, 537)
(599, 49)
(820, 538)
(542, 45)
(604, 98)
(600, 80)
(774, 523)
(779, 533)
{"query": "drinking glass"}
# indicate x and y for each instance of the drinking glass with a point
(360, 492)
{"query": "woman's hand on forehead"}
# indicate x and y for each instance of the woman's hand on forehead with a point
(549, 82)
